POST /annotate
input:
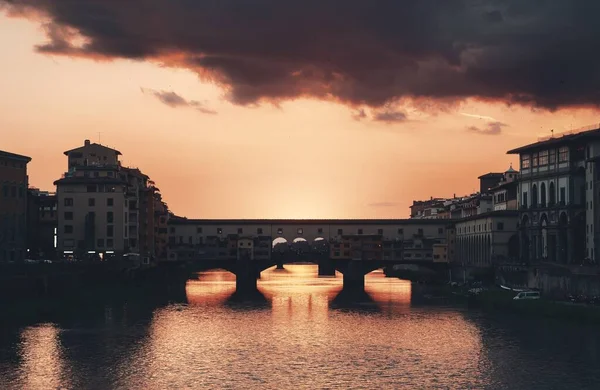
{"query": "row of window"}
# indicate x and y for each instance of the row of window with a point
(13, 191)
(68, 229)
(91, 202)
(479, 228)
(300, 231)
(12, 164)
(68, 215)
(544, 157)
(542, 200)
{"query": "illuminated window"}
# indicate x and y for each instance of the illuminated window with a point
(525, 161)
(534, 160)
(543, 158)
(552, 157)
(563, 154)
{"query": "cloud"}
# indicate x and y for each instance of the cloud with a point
(390, 116)
(357, 52)
(359, 114)
(491, 128)
(383, 204)
(173, 100)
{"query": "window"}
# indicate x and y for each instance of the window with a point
(109, 217)
(68, 229)
(552, 157)
(340, 232)
(5, 191)
(320, 231)
(379, 231)
(420, 232)
(91, 188)
(240, 230)
(219, 230)
(543, 159)
(440, 230)
(190, 240)
(563, 195)
(100, 242)
(172, 229)
(525, 161)
(68, 202)
(109, 231)
(279, 231)
(259, 231)
(360, 231)
(400, 231)
(300, 231)
(68, 215)
(198, 230)
(534, 160)
(110, 201)
(500, 226)
(91, 202)
(563, 154)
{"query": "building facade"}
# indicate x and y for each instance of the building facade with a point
(42, 224)
(557, 198)
(105, 209)
(504, 195)
(13, 206)
(487, 239)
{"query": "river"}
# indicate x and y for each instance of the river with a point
(302, 334)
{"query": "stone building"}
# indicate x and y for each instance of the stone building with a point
(557, 198)
(13, 206)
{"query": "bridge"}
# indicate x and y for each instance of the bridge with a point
(353, 247)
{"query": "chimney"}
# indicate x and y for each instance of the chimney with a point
(86, 142)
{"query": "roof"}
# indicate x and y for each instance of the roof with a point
(558, 140)
(503, 185)
(14, 156)
(92, 144)
(89, 180)
(491, 175)
(511, 170)
(185, 221)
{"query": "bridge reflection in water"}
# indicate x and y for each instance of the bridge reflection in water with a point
(298, 289)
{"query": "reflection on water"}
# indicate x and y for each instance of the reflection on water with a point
(304, 334)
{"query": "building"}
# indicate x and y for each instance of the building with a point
(105, 209)
(427, 209)
(489, 181)
(42, 223)
(504, 195)
(13, 206)
(557, 197)
(487, 239)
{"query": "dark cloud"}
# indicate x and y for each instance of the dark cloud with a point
(383, 204)
(389, 116)
(541, 53)
(491, 128)
(173, 100)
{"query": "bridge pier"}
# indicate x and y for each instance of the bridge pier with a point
(354, 276)
(246, 275)
(326, 267)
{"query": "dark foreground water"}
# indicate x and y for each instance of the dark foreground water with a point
(302, 335)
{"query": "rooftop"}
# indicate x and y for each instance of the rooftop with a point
(86, 144)
(184, 221)
(491, 175)
(590, 132)
(14, 156)
(89, 180)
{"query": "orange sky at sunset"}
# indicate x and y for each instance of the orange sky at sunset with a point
(301, 159)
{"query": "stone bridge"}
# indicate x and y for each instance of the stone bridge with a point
(356, 247)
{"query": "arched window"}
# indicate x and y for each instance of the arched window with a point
(534, 196)
(543, 195)
(551, 194)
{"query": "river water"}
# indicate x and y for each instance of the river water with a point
(302, 334)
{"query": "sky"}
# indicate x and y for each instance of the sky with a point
(269, 109)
